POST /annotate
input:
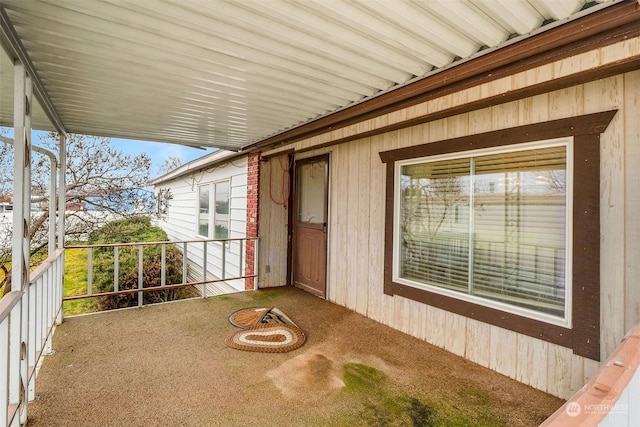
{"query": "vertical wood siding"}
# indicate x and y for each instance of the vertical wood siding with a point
(632, 201)
(180, 221)
(272, 249)
(356, 225)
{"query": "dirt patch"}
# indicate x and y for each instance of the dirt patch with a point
(309, 374)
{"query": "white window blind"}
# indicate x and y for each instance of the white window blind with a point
(493, 226)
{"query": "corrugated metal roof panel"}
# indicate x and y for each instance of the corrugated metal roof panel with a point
(229, 73)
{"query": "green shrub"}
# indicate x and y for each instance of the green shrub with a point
(137, 229)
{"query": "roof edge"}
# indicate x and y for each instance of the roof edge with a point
(548, 45)
(215, 158)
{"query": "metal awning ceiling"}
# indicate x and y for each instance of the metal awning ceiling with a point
(230, 73)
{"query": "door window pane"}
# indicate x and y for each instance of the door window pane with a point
(311, 192)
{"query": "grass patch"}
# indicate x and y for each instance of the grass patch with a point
(264, 297)
(36, 260)
(75, 283)
(362, 378)
(375, 401)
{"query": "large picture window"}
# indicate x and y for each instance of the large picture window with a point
(502, 227)
(218, 196)
(489, 226)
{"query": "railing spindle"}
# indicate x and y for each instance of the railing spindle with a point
(163, 265)
(227, 249)
(255, 269)
(204, 269)
(90, 271)
(60, 287)
(116, 268)
(4, 366)
(33, 337)
(184, 262)
(224, 259)
(140, 275)
(240, 266)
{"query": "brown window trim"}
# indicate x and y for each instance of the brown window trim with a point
(584, 337)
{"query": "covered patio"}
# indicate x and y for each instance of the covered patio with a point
(168, 365)
(281, 79)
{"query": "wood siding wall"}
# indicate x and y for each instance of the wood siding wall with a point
(273, 217)
(356, 216)
(181, 219)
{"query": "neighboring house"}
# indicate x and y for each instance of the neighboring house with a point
(207, 199)
(485, 209)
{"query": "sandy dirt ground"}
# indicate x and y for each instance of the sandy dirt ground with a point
(168, 366)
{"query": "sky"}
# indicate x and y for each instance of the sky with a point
(157, 151)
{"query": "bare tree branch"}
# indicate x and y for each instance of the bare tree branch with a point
(102, 183)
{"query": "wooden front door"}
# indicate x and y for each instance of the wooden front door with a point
(310, 225)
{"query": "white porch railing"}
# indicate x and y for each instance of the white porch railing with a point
(28, 317)
(211, 261)
(27, 322)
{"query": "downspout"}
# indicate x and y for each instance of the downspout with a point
(52, 197)
(52, 190)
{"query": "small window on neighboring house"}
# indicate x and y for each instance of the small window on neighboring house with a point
(488, 226)
(216, 194)
(203, 210)
(221, 215)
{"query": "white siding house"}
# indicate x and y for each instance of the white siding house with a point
(203, 200)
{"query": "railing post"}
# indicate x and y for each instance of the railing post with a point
(204, 269)
(62, 189)
(5, 372)
(24, 356)
(140, 275)
(89, 271)
(240, 263)
(255, 264)
(32, 348)
(50, 286)
(163, 265)
(224, 259)
(60, 287)
(20, 242)
(12, 389)
(116, 268)
(26, 343)
(184, 262)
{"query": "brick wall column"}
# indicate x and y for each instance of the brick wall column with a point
(253, 193)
